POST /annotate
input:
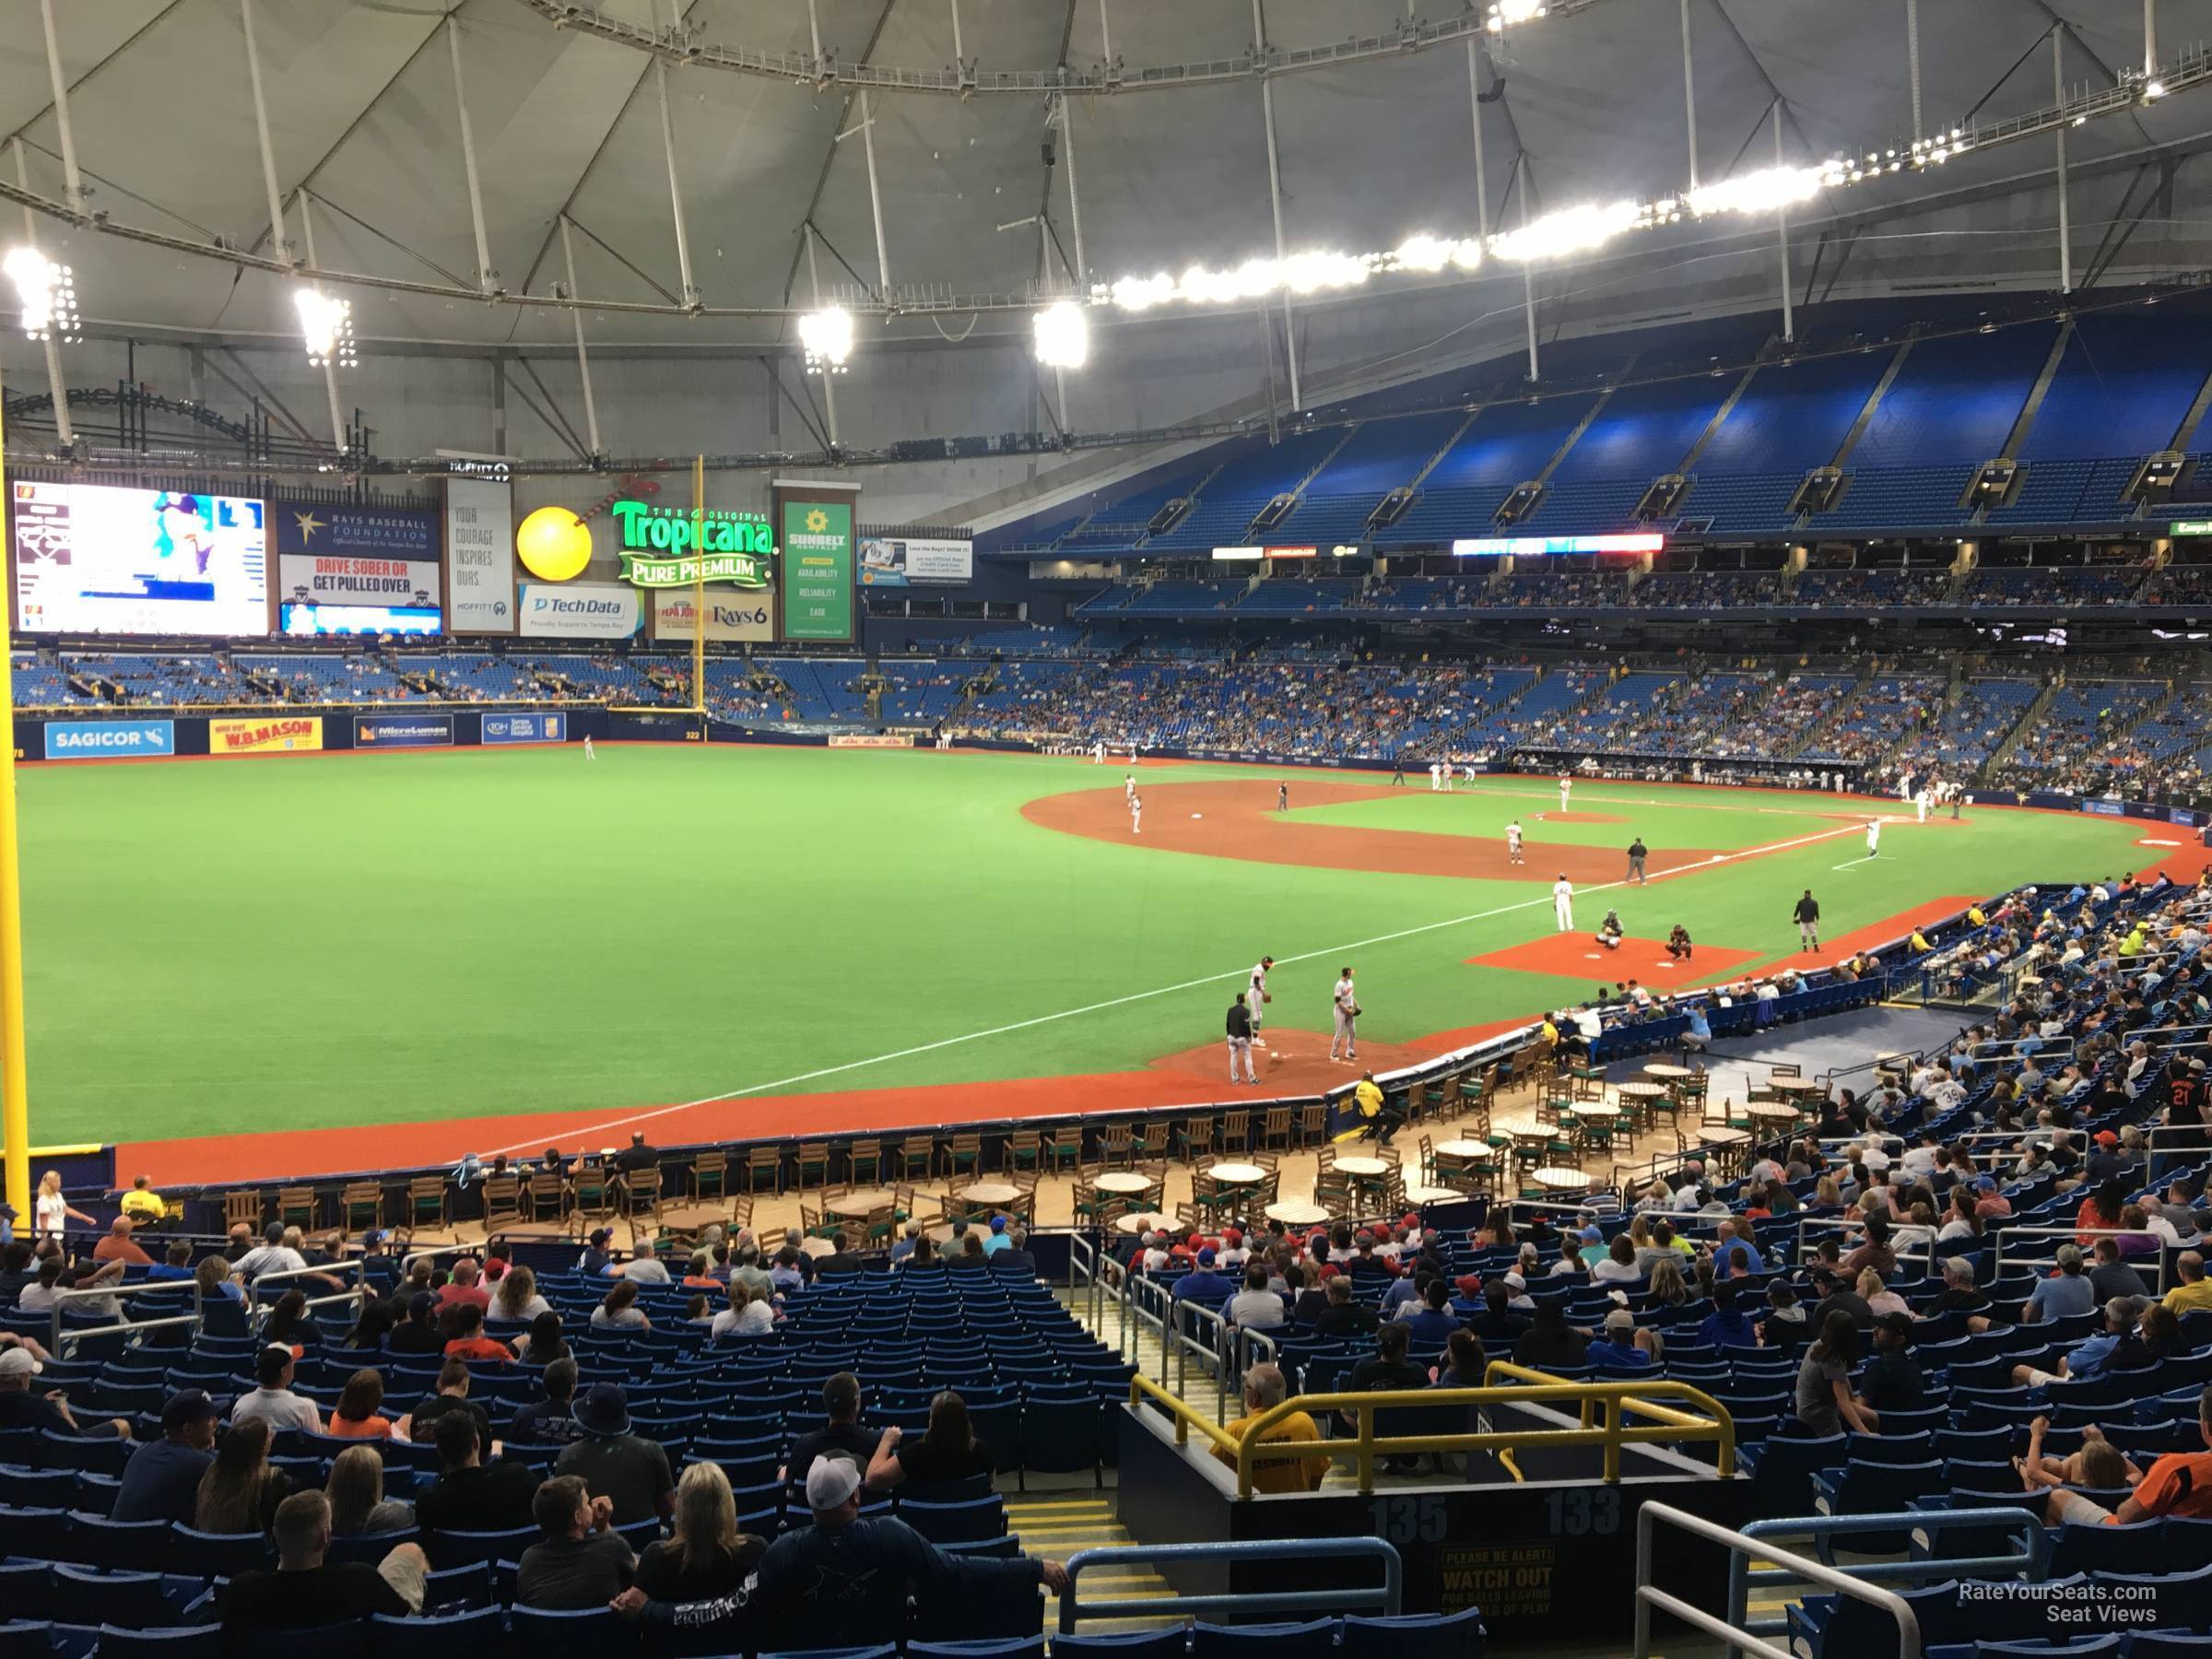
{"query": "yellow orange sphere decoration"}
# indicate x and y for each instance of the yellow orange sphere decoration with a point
(553, 544)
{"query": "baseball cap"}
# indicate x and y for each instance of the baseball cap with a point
(269, 1367)
(2105, 1137)
(832, 1481)
(1590, 1235)
(1232, 1238)
(600, 1235)
(1897, 1324)
(17, 1362)
(1620, 1319)
(998, 1224)
(1206, 1257)
(187, 1405)
(1988, 1183)
(1516, 1281)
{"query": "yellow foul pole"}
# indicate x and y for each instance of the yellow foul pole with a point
(15, 1104)
(699, 590)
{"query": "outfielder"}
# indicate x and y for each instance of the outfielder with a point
(1874, 836)
(1136, 815)
(1240, 1042)
(1809, 921)
(1258, 996)
(589, 752)
(1562, 902)
(1513, 842)
(1347, 1036)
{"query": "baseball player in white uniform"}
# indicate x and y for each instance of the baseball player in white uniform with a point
(1256, 998)
(1347, 1006)
(1921, 803)
(1874, 836)
(1436, 777)
(1512, 841)
(1562, 902)
(1565, 785)
(1098, 751)
(1128, 786)
(589, 752)
(1136, 815)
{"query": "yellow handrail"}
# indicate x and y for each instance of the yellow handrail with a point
(1611, 1404)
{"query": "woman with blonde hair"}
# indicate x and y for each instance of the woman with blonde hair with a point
(356, 1491)
(51, 1212)
(1878, 1295)
(213, 1276)
(515, 1296)
(1666, 1283)
(240, 1492)
(1827, 1195)
(706, 1556)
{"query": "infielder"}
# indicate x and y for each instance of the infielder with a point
(1136, 815)
(1258, 996)
(1240, 1042)
(1874, 836)
(1282, 798)
(1513, 842)
(1436, 777)
(1637, 852)
(1347, 1035)
(1562, 902)
(1809, 921)
(1566, 783)
(1128, 786)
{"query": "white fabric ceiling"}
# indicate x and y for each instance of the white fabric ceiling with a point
(362, 111)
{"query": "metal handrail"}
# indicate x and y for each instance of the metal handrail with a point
(2030, 1558)
(1383, 1598)
(2068, 1232)
(56, 1337)
(257, 1310)
(1648, 1596)
(1620, 1401)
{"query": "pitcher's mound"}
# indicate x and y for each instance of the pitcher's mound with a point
(1578, 955)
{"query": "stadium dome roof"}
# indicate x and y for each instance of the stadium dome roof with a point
(1374, 145)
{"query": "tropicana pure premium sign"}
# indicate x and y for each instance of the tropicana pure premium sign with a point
(675, 547)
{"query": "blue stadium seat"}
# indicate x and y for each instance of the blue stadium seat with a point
(137, 1600)
(1010, 1648)
(470, 1635)
(960, 1522)
(187, 1642)
(1168, 1642)
(548, 1630)
(31, 1639)
(1414, 1636)
(1313, 1639)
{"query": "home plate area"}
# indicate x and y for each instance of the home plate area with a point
(1577, 954)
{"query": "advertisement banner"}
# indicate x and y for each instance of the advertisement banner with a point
(729, 616)
(868, 740)
(479, 554)
(900, 561)
(101, 739)
(526, 728)
(327, 578)
(311, 621)
(403, 731)
(94, 560)
(818, 569)
(2105, 808)
(372, 532)
(580, 610)
(275, 735)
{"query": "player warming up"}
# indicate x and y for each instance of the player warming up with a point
(1136, 815)
(1258, 996)
(1809, 921)
(1565, 785)
(1347, 1011)
(1513, 842)
(1562, 902)
(1240, 1042)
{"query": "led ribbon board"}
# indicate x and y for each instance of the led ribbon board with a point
(1517, 545)
(673, 546)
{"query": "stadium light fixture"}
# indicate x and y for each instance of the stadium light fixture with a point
(1569, 231)
(1063, 335)
(826, 335)
(1504, 14)
(47, 292)
(326, 323)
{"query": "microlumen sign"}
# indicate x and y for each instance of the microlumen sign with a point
(672, 547)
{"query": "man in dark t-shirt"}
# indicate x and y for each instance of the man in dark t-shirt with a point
(471, 1495)
(843, 1432)
(304, 1593)
(1891, 1380)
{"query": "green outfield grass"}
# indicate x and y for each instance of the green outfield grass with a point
(293, 943)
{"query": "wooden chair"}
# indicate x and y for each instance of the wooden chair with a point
(1333, 1192)
(1025, 1152)
(1062, 1148)
(296, 1207)
(863, 1162)
(810, 1166)
(1236, 1131)
(1025, 1201)
(1094, 1208)
(548, 1197)
(764, 1163)
(1153, 1143)
(1275, 1127)
(1785, 1068)
(917, 1155)
(963, 1154)
(1195, 1139)
(1117, 1144)
(427, 1202)
(1207, 1195)
(881, 1227)
(812, 1223)
(1313, 1124)
(502, 1201)
(741, 1212)
(592, 1190)
(241, 1207)
(711, 1170)
(362, 1206)
(1414, 1104)
(642, 1194)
